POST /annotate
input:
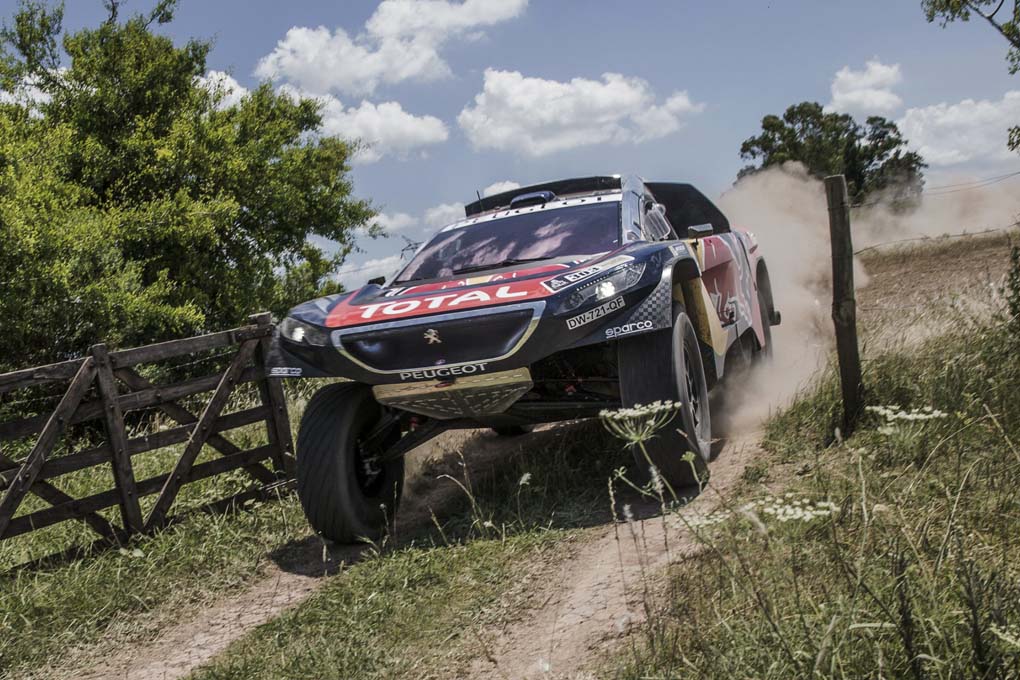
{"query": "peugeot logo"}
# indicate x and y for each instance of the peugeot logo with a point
(432, 335)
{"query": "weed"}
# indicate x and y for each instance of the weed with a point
(898, 554)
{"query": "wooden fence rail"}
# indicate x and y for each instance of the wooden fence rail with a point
(104, 386)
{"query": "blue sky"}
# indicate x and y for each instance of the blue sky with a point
(692, 80)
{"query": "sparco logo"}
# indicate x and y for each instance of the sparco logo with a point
(628, 328)
(443, 372)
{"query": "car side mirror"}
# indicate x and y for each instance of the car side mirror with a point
(377, 281)
(699, 231)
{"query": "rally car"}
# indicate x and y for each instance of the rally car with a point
(545, 303)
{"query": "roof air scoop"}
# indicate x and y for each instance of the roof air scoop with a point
(534, 198)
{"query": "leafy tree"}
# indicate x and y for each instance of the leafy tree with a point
(873, 156)
(136, 205)
(1007, 25)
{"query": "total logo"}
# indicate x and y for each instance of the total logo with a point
(443, 301)
(629, 328)
(443, 372)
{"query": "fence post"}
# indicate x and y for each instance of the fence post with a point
(54, 428)
(116, 435)
(844, 308)
(271, 390)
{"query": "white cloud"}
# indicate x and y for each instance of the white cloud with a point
(355, 276)
(499, 187)
(384, 129)
(946, 134)
(443, 214)
(536, 117)
(401, 41)
(28, 94)
(395, 222)
(222, 82)
(867, 92)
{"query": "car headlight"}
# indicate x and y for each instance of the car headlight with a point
(303, 333)
(605, 288)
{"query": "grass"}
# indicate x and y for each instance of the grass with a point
(415, 607)
(50, 615)
(516, 501)
(408, 613)
(896, 555)
(63, 608)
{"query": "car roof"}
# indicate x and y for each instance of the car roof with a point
(562, 187)
(685, 205)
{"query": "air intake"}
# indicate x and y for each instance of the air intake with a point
(534, 198)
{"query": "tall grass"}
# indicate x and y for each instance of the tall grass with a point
(61, 608)
(451, 555)
(894, 554)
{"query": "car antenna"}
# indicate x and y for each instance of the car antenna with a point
(478, 194)
(410, 246)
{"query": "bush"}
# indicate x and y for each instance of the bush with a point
(137, 205)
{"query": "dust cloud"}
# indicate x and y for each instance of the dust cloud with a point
(785, 208)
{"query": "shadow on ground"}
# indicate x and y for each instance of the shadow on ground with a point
(557, 478)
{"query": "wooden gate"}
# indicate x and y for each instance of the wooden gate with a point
(105, 385)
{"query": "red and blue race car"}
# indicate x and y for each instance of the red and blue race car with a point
(545, 303)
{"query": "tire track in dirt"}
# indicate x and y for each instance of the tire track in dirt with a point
(209, 631)
(185, 647)
(597, 596)
(591, 598)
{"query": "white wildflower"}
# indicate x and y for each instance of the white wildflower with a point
(628, 514)
(894, 413)
(639, 423)
(525, 479)
(657, 480)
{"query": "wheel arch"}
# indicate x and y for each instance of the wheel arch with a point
(689, 290)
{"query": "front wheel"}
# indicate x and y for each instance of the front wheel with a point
(348, 492)
(666, 365)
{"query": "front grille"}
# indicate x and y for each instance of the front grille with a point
(424, 344)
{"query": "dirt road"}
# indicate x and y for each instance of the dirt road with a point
(596, 595)
(601, 592)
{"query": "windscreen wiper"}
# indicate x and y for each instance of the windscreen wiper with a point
(496, 265)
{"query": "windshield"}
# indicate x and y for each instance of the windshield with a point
(579, 230)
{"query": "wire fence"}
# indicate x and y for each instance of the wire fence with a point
(964, 234)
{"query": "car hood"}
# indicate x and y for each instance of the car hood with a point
(373, 304)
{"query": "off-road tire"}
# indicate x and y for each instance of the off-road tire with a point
(341, 503)
(765, 314)
(666, 365)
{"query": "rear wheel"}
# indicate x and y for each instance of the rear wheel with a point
(348, 492)
(765, 314)
(666, 365)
